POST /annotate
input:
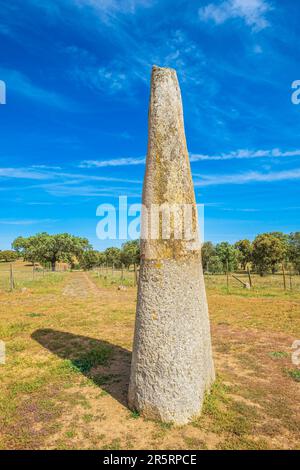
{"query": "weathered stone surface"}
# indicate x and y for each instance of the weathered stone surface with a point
(172, 364)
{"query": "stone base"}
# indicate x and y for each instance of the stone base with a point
(172, 364)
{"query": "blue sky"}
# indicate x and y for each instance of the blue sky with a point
(74, 128)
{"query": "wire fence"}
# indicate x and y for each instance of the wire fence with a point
(122, 276)
(252, 282)
(236, 282)
(13, 276)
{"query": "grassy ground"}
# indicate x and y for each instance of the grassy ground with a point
(23, 274)
(68, 339)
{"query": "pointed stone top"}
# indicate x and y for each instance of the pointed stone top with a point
(168, 179)
(157, 68)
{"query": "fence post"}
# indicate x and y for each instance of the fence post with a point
(227, 276)
(249, 276)
(135, 276)
(284, 280)
(291, 286)
(11, 277)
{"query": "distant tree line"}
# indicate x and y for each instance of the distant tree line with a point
(8, 256)
(127, 255)
(48, 250)
(266, 254)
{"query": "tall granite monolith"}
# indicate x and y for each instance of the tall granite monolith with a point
(172, 364)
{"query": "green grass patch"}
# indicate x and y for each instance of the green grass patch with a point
(278, 354)
(194, 443)
(96, 357)
(114, 445)
(105, 379)
(135, 414)
(225, 414)
(294, 374)
(28, 386)
(13, 330)
(35, 315)
(88, 418)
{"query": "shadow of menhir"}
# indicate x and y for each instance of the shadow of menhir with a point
(106, 364)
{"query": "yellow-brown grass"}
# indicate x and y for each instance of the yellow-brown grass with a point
(68, 338)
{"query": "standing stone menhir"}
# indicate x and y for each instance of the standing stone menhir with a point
(172, 364)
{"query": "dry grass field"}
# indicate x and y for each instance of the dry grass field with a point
(68, 339)
(23, 273)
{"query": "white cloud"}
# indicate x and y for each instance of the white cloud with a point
(195, 157)
(46, 167)
(246, 154)
(104, 9)
(25, 222)
(249, 177)
(89, 190)
(22, 85)
(39, 203)
(126, 161)
(64, 184)
(132, 66)
(253, 12)
(22, 173)
(227, 209)
(110, 7)
(31, 173)
(257, 49)
(111, 79)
